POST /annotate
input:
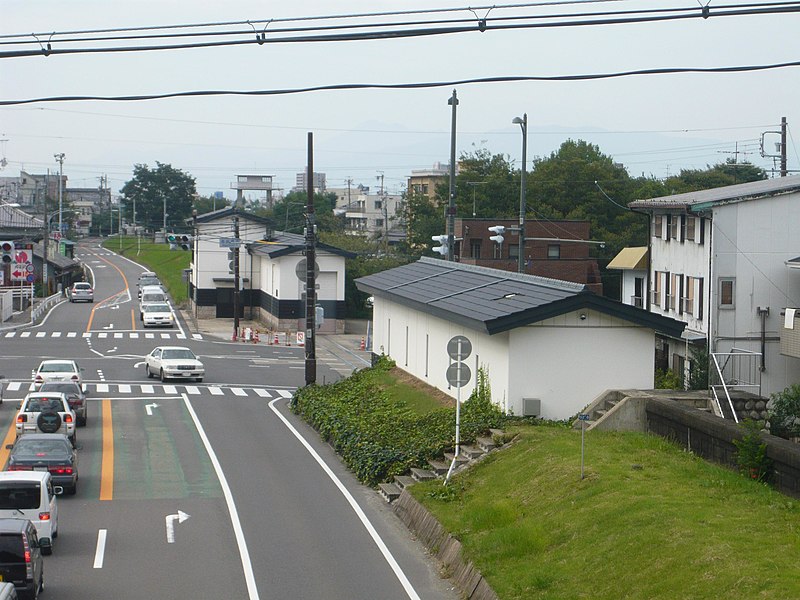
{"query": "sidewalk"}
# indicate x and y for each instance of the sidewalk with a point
(38, 307)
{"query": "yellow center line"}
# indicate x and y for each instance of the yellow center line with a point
(104, 300)
(107, 468)
(133, 320)
(9, 439)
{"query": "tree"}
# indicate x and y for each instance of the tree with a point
(728, 173)
(424, 219)
(207, 204)
(289, 213)
(149, 188)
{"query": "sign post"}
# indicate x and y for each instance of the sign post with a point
(583, 417)
(458, 375)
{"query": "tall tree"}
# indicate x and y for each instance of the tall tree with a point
(150, 188)
(288, 214)
(207, 204)
(424, 218)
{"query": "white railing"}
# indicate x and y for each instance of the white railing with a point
(737, 369)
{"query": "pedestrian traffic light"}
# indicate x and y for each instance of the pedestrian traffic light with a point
(7, 252)
(443, 248)
(499, 230)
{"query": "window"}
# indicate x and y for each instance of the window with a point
(378, 222)
(678, 365)
(475, 248)
(726, 290)
(513, 251)
(690, 222)
(655, 298)
(699, 312)
(702, 231)
(241, 178)
(687, 298)
(378, 204)
(673, 286)
(553, 251)
(667, 295)
(673, 226)
(683, 228)
(658, 226)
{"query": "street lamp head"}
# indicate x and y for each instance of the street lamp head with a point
(518, 120)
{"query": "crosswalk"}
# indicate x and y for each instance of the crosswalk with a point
(148, 389)
(117, 335)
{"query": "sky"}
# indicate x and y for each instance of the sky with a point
(652, 124)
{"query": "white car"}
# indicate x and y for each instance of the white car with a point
(157, 314)
(81, 291)
(57, 370)
(173, 362)
(46, 412)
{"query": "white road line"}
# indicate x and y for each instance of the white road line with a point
(100, 552)
(102, 388)
(41, 334)
(190, 389)
(387, 555)
(284, 393)
(117, 336)
(11, 334)
(25, 334)
(134, 336)
(181, 336)
(216, 391)
(56, 334)
(149, 336)
(14, 386)
(262, 392)
(86, 334)
(72, 334)
(165, 336)
(244, 554)
(102, 335)
(238, 392)
(197, 336)
(124, 388)
(170, 389)
(148, 389)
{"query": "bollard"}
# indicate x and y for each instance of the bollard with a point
(288, 339)
(276, 342)
(363, 345)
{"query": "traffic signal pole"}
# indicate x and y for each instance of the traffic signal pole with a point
(236, 278)
(311, 262)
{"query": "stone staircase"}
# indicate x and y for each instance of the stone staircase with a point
(437, 468)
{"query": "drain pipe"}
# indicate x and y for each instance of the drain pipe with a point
(763, 313)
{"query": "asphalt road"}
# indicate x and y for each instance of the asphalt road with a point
(203, 490)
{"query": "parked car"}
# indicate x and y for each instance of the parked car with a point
(76, 397)
(157, 314)
(173, 362)
(31, 495)
(47, 412)
(151, 295)
(57, 370)
(21, 561)
(51, 452)
(81, 292)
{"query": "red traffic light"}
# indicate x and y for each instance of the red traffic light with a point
(7, 246)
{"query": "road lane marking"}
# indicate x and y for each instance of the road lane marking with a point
(124, 388)
(148, 389)
(216, 391)
(117, 336)
(100, 551)
(387, 554)
(11, 435)
(41, 334)
(25, 334)
(170, 389)
(111, 298)
(133, 320)
(190, 389)
(169, 522)
(262, 392)
(244, 554)
(238, 392)
(72, 334)
(14, 386)
(102, 388)
(56, 334)
(284, 393)
(107, 468)
(11, 334)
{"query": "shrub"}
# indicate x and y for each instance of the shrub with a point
(784, 416)
(752, 453)
(668, 380)
(698, 374)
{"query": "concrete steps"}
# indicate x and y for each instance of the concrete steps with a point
(389, 491)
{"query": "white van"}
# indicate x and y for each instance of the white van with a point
(151, 295)
(31, 495)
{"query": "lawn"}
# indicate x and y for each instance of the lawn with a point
(167, 264)
(649, 520)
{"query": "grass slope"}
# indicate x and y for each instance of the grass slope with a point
(648, 521)
(167, 264)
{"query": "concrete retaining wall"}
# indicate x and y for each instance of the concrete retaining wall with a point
(445, 547)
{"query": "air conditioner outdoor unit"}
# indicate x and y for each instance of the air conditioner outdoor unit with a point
(531, 407)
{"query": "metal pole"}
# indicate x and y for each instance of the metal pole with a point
(784, 170)
(60, 160)
(583, 432)
(45, 287)
(311, 261)
(451, 208)
(523, 123)
(235, 278)
(165, 214)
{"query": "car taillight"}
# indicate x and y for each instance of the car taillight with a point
(61, 470)
(44, 516)
(22, 418)
(74, 378)
(68, 418)
(19, 468)
(77, 401)
(27, 556)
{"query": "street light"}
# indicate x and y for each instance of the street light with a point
(60, 160)
(523, 123)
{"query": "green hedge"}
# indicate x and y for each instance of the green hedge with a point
(379, 438)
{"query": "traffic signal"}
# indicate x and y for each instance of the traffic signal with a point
(186, 242)
(231, 259)
(442, 239)
(498, 230)
(7, 252)
(172, 240)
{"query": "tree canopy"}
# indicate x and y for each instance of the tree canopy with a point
(149, 188)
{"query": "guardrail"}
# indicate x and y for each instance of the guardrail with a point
(45, 305)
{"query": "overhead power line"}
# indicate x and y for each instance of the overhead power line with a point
(407, 86)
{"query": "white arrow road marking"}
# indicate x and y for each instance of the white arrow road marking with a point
(149, 408)
(138, 364)
(100, 551)
(180, 517)
(115, 307)
(114, 349)
(109, 326)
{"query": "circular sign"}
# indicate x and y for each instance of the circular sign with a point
(458, 374)
(29, 268)
(300, 269)
(30, 278)
(21, 257)
(459, 347)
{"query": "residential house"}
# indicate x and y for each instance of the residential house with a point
(557, 249)
(271, 273)
(719, 262)
(424, 181)
(549, 347)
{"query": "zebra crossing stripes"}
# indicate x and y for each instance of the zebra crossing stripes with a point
(100, 389)
(132, 335)
(216, 391)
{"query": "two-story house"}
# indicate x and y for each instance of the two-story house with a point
(718, 261)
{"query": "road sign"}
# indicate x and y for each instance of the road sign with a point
(459, 348)
(29, 268)
(458, 374)
(583, 417)
(30, 278)
(300, 269)
(229, 242)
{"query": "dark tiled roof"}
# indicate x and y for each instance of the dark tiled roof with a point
(282, 243)
(730, 193)
(493, 301)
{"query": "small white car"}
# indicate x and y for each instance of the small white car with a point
(173, 362)
(157, 314)
(59, 369)
(81, 291)
(46, 412)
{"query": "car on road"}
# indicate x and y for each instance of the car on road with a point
(173, 362)
(31, 495)
(151, 295)
(81, 292)
(51, 452)
(157, 314)
(148, 282)
(47, 412)
(21, 559)
(76, 397)
(144, 274)
(57, 370)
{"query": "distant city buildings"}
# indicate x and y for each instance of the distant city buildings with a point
(424, 181)
(301, 182)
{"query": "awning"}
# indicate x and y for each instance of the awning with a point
(793, 263)
(630, 258)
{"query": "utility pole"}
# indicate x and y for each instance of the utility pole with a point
(60, 160)
(784, 170)
(45, 289)
(311, 280)
(235, 278)
(385, 215)
(523, 123)
(451, 207)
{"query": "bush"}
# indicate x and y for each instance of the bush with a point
(668, 380)
(379, 438)
(752, 453)
(784, 416)
(698, 374)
